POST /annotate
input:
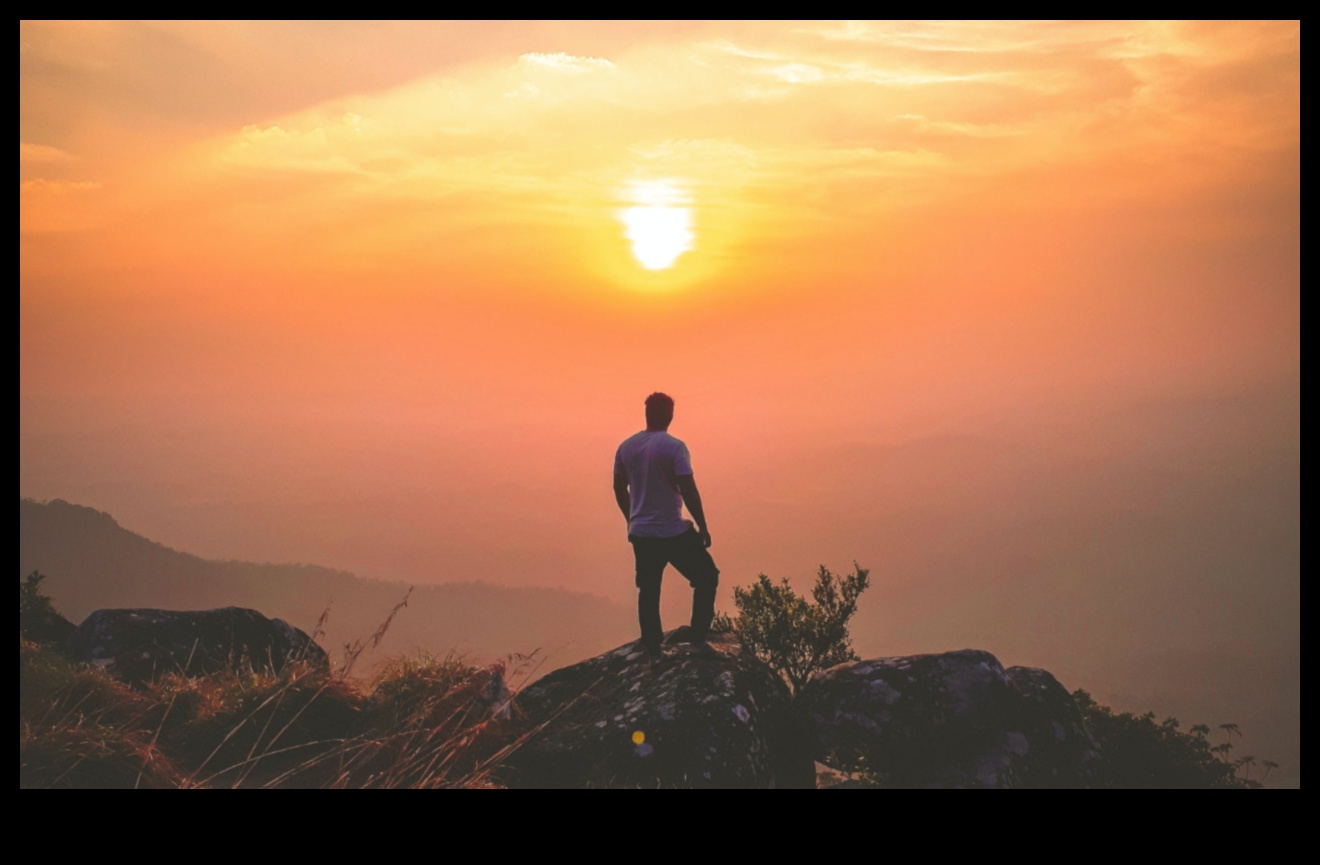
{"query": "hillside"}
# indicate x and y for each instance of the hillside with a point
(92, 562)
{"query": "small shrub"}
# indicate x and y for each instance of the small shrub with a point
(38, 620)
(796, 636)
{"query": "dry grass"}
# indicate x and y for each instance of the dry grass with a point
(421, 722)
(78, 727)
(429, 723)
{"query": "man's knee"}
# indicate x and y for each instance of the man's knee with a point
(648, 581)
(700, 571)
(705, 583)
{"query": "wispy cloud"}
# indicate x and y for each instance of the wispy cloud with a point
(562, 62)
(42, 186)
(41, 154)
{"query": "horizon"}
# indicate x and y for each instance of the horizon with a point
(1007, 313)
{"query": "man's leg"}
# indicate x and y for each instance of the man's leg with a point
(691, 558)
(650, 569)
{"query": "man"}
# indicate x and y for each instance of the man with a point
(652, 482)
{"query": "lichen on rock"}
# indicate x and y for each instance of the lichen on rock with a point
(700, 717)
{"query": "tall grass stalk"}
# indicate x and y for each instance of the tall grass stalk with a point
(420, 722)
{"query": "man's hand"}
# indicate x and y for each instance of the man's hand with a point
(687, 488)
(621, 497)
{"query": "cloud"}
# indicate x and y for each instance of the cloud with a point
(41, 154)
(843, 122)
(326, 147)
(42, 186)
(562, 62)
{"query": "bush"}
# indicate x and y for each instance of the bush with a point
(1139, 752)
(794, 636)
(38, 620)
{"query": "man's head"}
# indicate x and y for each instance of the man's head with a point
(659, 411)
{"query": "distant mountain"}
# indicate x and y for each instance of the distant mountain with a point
(91, 562)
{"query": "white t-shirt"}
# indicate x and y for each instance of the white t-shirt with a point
(651, 460)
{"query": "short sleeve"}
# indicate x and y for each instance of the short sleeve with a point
(618, 463)
(682, 460)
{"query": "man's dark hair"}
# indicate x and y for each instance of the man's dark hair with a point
(659, 409)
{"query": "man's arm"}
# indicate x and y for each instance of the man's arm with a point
(687, 487)
(621, 496)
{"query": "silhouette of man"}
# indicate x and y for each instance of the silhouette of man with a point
(652, 482)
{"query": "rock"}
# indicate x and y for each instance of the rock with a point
(957, 719)
(700, 717)
(139, 645)
(493, 700)
(1062, 752)
(900, 716)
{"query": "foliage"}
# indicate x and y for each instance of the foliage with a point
(31, 601)
(38, 620)
(1139, 752)
(796, 636)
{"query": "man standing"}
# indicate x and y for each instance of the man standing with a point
(652, 482)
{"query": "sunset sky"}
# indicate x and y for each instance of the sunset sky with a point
(1007, 312)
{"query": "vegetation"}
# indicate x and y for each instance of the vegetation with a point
(796, 636)
(1139, 752)
(422, 722)
(38, 620)
(439, 722)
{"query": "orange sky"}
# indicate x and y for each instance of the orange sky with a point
(1008, 312)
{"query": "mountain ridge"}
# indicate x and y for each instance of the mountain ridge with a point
(92, 562)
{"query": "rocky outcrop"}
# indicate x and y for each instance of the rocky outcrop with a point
(706, 715)
(1062, 752)
(957, 719)
(141, 644)
(700, 717)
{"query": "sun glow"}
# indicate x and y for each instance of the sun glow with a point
(659, 227)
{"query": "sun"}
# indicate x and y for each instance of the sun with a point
(659, 225)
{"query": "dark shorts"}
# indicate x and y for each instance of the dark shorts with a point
(685, 552)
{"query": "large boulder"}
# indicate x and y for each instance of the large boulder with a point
(1063, 753)
(957, 719)
(700, 717)
(140, 645)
